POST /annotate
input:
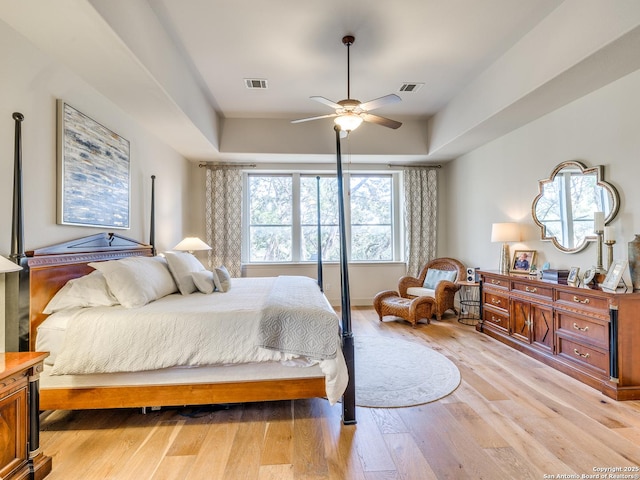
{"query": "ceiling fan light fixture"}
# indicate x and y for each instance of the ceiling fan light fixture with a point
(348, 121)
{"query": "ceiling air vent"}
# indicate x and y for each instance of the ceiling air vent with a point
(256, 83)
(410, 87)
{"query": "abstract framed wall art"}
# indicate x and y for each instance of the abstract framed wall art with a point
(93, 172)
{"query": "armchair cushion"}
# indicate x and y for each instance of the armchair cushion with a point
(421, 292)
(434, 276)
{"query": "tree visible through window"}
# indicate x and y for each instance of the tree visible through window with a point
(282, 213)
(270, 218)
(371, 227)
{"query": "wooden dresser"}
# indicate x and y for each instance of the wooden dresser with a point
(591, 335)
(20, 455)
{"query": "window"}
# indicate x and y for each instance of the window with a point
(282, 217)
(270, 218)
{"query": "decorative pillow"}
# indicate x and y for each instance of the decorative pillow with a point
(136, 281)
(204, 281)
(87, 291)
(435, 276)
(181, 266)
(221, 279)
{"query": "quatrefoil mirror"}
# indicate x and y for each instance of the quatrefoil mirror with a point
(565, 206)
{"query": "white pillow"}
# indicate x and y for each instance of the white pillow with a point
(136, 281)
(87, 291)
(181, 266)
(204, 281)
(221, 279)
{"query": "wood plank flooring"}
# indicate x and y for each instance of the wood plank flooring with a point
(511, 418)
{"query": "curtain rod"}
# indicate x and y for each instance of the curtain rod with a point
(391, 165)
(227, 165)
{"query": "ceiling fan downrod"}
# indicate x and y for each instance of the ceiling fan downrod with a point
(348, 41)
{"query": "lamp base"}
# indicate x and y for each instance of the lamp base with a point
(504, 259)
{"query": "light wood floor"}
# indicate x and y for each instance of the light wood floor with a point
(511, 418)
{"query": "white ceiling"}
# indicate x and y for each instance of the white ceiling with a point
(297, 46)
(488, 67)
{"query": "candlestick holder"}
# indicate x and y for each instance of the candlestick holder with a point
(599, 267)
(609, 243)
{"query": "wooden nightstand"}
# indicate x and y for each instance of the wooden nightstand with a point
(20, 455)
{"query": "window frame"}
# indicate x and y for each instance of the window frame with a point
(397, 224)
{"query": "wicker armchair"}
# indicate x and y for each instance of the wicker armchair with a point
(445, 291)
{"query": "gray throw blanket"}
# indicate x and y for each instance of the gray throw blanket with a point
(298, 319)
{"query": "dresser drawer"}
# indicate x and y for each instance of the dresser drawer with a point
(496, 301)
(496, 282)
(591, 358)
(583, 300)
(583, 329)
(494, 319)
(538, 290)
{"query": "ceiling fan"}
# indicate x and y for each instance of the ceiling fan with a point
(351, 113)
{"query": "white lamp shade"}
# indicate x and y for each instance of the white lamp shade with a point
(348, 121)
(7, 265)
(505, 232)
(191, 244)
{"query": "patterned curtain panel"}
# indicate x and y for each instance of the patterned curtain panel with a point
(224, 217)
(421, 207)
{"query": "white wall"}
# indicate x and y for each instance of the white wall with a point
(498, 182)
(365, 279)
(31, 82)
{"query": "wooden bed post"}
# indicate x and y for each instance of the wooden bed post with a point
(320, 283)
(349, 397)
(18, 324)
(152, 227)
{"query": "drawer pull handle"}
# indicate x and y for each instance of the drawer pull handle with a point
(494, 319)
(577, 300)
(496, 282)
(582, 329)
(496, 302)
(531, 290)
(583, 355)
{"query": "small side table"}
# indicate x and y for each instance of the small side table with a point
(20, 454)
(469, 303)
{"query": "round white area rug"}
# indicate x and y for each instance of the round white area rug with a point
(397, 373)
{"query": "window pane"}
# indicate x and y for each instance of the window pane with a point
(270, 244)
(270, 218)
(371, 213)
(270, 200)
(370, 200)
(330, 243)
(328, 218)
(371, 243)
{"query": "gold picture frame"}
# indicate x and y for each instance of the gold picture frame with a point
(522, 261)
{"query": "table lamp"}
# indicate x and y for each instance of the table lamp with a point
(505, 232)
(7, 265)
(191, 244)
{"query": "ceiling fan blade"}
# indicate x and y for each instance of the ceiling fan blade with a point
(326, 101)
(385, 122)
(379, 102)
(314, 118)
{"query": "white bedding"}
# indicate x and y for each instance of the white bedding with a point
(174, 331)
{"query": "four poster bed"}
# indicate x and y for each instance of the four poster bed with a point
(86, 371)
(282, 370)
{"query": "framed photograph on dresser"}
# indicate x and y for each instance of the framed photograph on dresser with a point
(614, 275)
(522, 261)
(573, 278)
